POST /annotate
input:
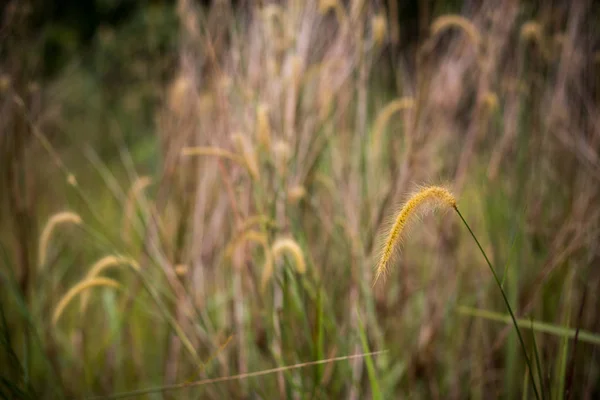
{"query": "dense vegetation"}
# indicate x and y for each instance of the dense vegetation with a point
(191, 191)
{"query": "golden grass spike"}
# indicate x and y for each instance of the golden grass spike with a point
(55, 220)
(111, 261)
(263, 127)
(378, 29)
(138, 186)
(282, 153)
(249, 155)
(435, 195)
(78, 288)
(280, 246)
(103, 264)
(71, 180)
(385, 114)
(491, 101)
(181, 270)
(246, 236)
(5, 82)
(295, 194)
(533, 31)
(448, 21)
(212, 151)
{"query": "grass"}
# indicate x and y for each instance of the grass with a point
(245, 221)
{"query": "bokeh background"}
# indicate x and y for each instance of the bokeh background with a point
(157, 157)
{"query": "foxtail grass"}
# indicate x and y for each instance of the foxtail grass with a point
(77, 289)
(246, 148)
(440, 196)
(378, 29)
(263, 126)
(434, 195)
(280, 246)
(385, 114)
(456, 21)
(64, 217)
(100, 266)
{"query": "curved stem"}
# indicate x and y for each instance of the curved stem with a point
(512, 315)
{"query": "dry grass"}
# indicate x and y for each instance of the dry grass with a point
(291, 129)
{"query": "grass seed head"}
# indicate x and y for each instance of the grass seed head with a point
(379, 29)
(263, 127)
(78, 288)
(103, 264)
(64, 217)
(279, 247)
(456, 21)
(435, 196)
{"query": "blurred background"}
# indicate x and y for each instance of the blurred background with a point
(200, 189)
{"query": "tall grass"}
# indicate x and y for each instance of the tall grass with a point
(241, 220)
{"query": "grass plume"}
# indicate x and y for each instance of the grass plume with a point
(432, 195)
(78, 288)
(456, 21)
(64, 217)
(103, 264)
(280, 246)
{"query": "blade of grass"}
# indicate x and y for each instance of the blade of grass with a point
(132, 393)
(506, 302)
(572, 361)
(538, 364)
(584, 336)
(375, 391)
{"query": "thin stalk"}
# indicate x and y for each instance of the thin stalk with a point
(510, 311)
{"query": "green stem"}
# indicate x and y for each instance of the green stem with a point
(512, 315)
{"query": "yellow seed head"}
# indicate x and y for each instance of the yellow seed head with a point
(448, 21)
(531, 31)
(326, 5)
(379, 29)
(263, 127)
(384, 116)
(432, 195)
(296, 193)
(101, 265)
(4, 82)
(279, 247)
(57, 219)
(71, 180)
(181, 270)
(78, 288)
(281, 154)
(247, 150)
(491, 101)
(249, 236)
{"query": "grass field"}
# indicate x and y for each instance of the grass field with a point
(305, 200)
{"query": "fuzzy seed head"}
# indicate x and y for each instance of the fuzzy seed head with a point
(245, 147)
(100, 266)
(263, 127)
(78, 288)
(65, 217)
(279, 247)
(448, 21)
(432, 195)
(379, 29)
(383, 117)
(296, 193)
